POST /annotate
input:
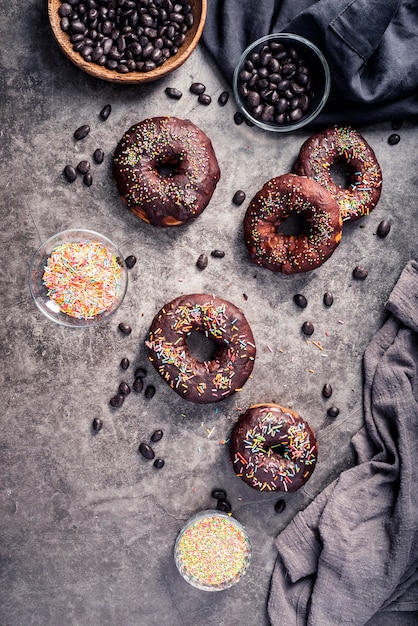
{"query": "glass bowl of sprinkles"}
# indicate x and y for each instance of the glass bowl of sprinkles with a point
(212, 551)
(78, 278)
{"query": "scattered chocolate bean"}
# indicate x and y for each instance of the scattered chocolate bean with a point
(333, 411)
(124, 388)
(124, 363)
(396, 124)
(70, 173)
(328, 298)
(105, 112)
(327, 390)
(146, 451)
(138, 385)
(383, 229)
(219, 494)
(157, 435)
(197, 88)
(238, 197)
(360, 273)
(125, 329)
(140, 372)
(159, 463)
(83, 167)
(307, 328)
(117, 400)
(97, 424)
(202, 261)
(98, 156)
(218, 254)
(280, 506)
(81, 132)
(224, 506)
(300, 300)
(130, 261)
(204, 98)
(149, 392)
(393, 139)
(238, 118)
(173, 93)
(88, 179)
(223, 98)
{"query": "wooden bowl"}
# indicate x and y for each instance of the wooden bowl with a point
(199, 8)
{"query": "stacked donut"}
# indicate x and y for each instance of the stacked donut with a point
(166, 172)
(312, 193)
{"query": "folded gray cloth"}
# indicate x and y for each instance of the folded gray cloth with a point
(370, 45)
(352, 555)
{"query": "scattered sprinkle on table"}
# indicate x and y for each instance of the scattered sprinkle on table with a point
(82, 278)
(213, 552)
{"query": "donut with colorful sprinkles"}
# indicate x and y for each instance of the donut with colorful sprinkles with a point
(273, 448)
(307, 201)
(343, 145)
(227, 329)
(166, 170)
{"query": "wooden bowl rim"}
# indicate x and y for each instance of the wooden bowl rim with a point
(192, 38)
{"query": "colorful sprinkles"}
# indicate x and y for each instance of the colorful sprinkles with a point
(83, 279)
(213, 552)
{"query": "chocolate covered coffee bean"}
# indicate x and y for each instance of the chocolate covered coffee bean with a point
(300, 300)
(70, 173)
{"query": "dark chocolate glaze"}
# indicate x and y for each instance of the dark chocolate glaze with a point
(274, 202)
(165, 170)
(273, 448)
(225, 324)
(319, 152)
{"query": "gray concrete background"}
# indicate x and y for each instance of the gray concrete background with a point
(87, 525)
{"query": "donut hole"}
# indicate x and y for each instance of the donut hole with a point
(276, 449)
(341, 173)
(167, 168)
(294, 225)
(201, 347)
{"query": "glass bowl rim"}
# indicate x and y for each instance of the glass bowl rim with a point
(326, 87)
(48, 246)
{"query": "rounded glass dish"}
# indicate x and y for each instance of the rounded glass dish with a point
(78, 259)
(212, 551)
(318, 71)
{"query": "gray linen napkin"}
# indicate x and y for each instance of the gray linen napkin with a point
(352, 555)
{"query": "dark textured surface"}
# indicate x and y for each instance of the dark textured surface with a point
(87, 524)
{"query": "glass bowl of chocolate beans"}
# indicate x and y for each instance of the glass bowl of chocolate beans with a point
(281, 82)
(78, 278)
(127, 41)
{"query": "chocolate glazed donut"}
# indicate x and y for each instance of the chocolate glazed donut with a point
(279, 198)
(273, 448)
(165, 170)
(343, 145)
(224, 324)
